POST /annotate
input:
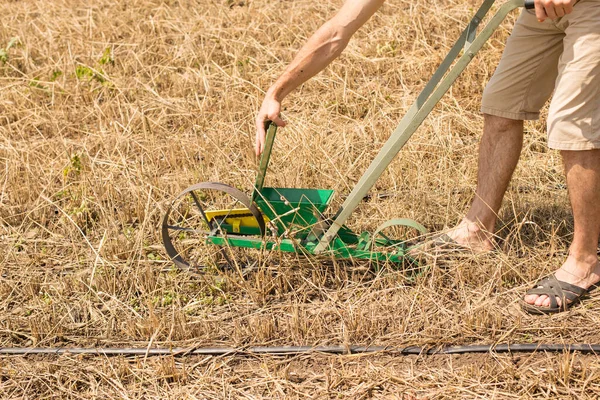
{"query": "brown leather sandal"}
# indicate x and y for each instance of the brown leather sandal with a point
(568, 294)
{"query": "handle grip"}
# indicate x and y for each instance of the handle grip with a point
(529, 4)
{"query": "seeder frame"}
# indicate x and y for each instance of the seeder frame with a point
(296, 217)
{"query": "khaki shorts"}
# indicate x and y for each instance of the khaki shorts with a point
(561, 56)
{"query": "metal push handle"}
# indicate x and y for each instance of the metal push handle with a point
(271, 129)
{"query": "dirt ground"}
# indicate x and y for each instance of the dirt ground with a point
(108, 109)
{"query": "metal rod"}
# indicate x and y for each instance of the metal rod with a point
(418, 112)
(271, 129)
(183, 229)
(295, 350)
(199, 205)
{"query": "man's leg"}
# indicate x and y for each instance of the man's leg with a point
(499, 153)
(520, 87)
(583, 180)
(574, 128)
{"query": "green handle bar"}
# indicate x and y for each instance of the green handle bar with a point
(271, 129)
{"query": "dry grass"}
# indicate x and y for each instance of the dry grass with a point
(108, 110)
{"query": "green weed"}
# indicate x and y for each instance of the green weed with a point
(4, 52)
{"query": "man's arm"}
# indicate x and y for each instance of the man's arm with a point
(322, 47)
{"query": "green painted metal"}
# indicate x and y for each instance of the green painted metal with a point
(428, 98)
(347, 236)
(338, 249)
(293, 208)
(265, 157)
(249, 242)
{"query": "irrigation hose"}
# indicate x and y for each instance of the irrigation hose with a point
(296, 350)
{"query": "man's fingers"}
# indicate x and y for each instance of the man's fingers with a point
(277, 120)
(540, 12)
(568, 7)
(260, 137)
(552, 9)
(257, 147)
(549, 9)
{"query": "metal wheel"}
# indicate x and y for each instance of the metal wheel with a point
(401, 229)
(210, 209)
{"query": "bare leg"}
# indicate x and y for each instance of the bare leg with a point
(583, 179)
(499, 153)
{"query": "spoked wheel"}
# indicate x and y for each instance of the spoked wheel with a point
(211, 210)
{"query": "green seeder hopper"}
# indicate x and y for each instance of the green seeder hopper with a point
(298, 220)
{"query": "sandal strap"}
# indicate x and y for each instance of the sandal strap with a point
(553, 288)
(443, 239)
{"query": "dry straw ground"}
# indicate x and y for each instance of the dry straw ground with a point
(108, 109)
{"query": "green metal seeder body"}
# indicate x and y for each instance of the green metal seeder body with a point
(296, 219)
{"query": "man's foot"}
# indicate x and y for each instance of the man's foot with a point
(471, 236)
(583, 272)
(466, 237)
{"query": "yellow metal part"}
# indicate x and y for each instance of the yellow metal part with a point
(236, 217)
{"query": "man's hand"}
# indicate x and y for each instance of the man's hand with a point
(553, 9)
(269, 111)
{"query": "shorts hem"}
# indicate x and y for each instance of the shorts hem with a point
(575, 146)
(519, 116)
